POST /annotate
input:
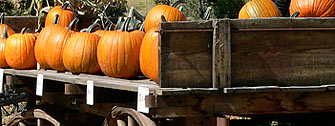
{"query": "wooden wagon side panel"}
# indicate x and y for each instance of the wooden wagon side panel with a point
(282, 52)
(185, 57)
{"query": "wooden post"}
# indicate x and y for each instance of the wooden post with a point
(222, 121)
(221, 54)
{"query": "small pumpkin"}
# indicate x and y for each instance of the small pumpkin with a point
(3, 62)
(171, 13)
(313, 8)
(54, 46)
(19, 50)
(118, 52)
(65, 15)
(259, 8)
(2, 26)
(40, 45)
(80, 52)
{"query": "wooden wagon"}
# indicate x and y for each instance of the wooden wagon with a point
(209, 69)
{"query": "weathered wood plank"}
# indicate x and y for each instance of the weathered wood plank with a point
(99, 81)
(245, 104)
(283, 58)
(18, 22)
(221, 54)
(273, 23)
(185, 57)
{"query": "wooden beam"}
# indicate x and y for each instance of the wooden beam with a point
(275, 23)
(241, 104)
(221, 54)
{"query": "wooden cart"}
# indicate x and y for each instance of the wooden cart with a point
(209, 69)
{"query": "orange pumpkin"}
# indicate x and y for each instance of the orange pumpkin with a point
(40, 45)
(2, 26)
(3, 62)
(80, 52)
(118, 52)
(313, 8)
(65, 15)
(55, 44)
(259, 8)
(19, 50)
(149, 54)
(153, 17)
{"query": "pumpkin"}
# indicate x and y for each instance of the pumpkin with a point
(80, 52)
(2, 26)
(19, 50)
(40, 45)
(171, 13)
(259, 8)
(149, 54)
(3, 62)
(313, 8)
(118, 52)
(55, 44)
(65, 15)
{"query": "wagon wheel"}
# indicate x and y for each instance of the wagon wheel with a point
(121, 116)
(23, 117)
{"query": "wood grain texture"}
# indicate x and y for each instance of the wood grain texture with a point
(243, 104)
(282, 22)
(221, 54)
(282, 58)
(185, 57)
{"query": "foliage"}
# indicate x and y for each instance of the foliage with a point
(227, 8)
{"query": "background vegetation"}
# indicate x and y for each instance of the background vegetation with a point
(193, 9)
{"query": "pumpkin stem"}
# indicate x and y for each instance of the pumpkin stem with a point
(73, 23)
(27, 30)
(295, 14)
(89, 29)
(23, 30)
(118, 23)
(163, 18)
(5, 33)
(56, 21)
(2, 18)
(175, 4)
(110, 27)
(131, 12)
(65, 5)
(207, 14)
(142, 27)
(139, 16)
(125, 25)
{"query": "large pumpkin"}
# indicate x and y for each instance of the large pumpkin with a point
(80, 52)
(313, 8)
(118, 52)
(259, 8)
(40, 45)
(153, 17)
(149, 54)
(3, 62)
(2, 26)
(19, 50)
(65, 15)
(54, 45)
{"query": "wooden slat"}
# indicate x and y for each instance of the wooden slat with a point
(244, 104)
(283, 58)
(18, 22)
(99, 81)
(221, 54)
(283, 23)
(185, 57)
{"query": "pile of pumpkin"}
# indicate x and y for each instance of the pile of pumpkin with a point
(297, 8)
(118, 51)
